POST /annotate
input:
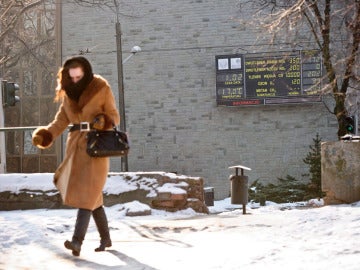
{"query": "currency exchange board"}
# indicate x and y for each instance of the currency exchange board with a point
(268, 78)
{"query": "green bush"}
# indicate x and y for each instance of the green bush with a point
(291, 189)
(286, 190)
(313, 159)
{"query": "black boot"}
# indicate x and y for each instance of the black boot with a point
(81, 225)
(103, 228)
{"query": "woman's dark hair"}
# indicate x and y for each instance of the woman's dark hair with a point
(66, 84)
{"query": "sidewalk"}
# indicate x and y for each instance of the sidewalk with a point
(270, 237)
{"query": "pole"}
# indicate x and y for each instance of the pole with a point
(2, 135)
(356, 124)
(124, 160)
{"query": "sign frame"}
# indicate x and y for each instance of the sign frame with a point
(268, 78)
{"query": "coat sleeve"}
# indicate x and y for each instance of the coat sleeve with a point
(49, 133)
(60, 122)
(110, 109)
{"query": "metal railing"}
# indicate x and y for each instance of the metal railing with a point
(21, 154)
(17, 128)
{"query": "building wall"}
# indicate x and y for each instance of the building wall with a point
(171, 113)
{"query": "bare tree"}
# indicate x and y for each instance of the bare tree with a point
(126, 10)
(26, 28)
(333, 27)
(27, 57)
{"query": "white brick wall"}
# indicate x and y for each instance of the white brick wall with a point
(172, 117)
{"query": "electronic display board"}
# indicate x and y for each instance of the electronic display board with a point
(268, 78)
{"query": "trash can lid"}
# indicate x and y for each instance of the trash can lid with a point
(240, 167)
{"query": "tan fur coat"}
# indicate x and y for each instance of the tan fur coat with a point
(81, 178)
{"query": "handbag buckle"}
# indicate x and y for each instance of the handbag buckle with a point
(84, 126)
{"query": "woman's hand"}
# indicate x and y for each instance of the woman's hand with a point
(99, 122)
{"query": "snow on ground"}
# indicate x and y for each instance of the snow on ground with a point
(275, 236)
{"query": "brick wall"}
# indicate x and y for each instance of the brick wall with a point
(171, 113)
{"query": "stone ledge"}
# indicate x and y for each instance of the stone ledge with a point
(159, 190)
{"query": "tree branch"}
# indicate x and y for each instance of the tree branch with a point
(312, 26)
(350, 62)
(14, 20)
(31, 50)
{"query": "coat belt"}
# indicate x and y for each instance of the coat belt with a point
(83, 126)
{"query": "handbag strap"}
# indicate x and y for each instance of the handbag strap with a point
(114, 127)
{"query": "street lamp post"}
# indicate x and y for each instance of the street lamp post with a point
(120, 62)
(124, 160)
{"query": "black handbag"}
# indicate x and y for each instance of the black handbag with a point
(107, 143)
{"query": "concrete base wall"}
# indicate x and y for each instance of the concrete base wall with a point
(340, 171)
(159, 190)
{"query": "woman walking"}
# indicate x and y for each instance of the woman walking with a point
(86, 102)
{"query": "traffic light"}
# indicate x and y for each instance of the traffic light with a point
(9, 95)
(350, 124)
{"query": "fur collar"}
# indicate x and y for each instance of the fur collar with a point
(96, 85)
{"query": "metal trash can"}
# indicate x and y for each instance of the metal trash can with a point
(209, 196)
(239, 187)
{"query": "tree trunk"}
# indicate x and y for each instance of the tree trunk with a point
(340, 113)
